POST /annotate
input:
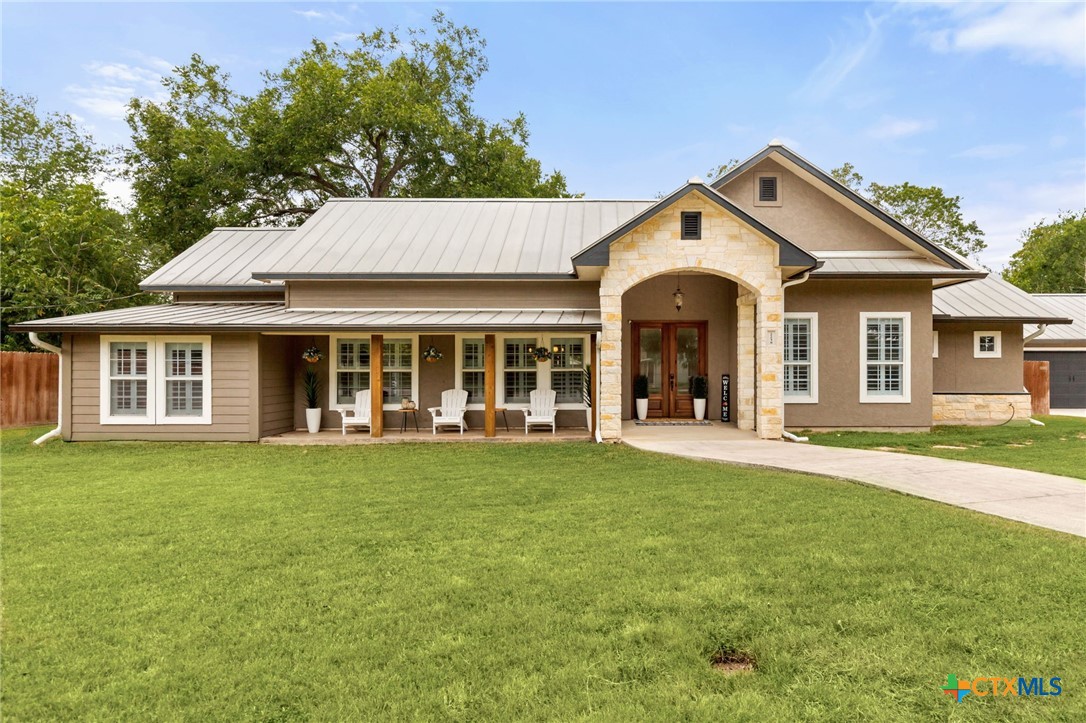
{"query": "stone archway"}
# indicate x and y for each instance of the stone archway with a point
(727, 249)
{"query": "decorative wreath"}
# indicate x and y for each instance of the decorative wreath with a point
(431, 354)
(541, 354)
(312, 355)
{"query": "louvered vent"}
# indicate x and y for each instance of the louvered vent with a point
(691, 222)
(767, 189)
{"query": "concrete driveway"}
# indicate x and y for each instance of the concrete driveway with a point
(1045, 500)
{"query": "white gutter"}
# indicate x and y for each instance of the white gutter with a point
(60, 387)
(794, 282)
(1040, 330)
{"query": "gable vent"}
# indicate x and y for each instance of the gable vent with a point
(767, 188)
(691, 225)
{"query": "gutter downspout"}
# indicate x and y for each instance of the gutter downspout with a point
(1040, 330)
(60, 388)
(794, 282)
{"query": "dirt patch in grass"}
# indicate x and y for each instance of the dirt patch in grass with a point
(891, 449)
(730, 661)
(946, 446)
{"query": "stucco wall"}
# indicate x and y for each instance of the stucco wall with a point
(839, 304)
(808, 216)
(234, 415)
(956, 371)
(707, 298)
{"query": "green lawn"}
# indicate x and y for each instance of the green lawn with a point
(1057, 448)
(500, 582)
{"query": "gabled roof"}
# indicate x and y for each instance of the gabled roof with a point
(857, 266)
(221, 261)
(1072, 306)
(991, 299)
(598, 254)
(793, 160)
(361, 238)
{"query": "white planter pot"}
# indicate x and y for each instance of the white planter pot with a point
(642, 408)
(313, 420)
(699, 409)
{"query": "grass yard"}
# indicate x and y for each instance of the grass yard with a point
(501, 582)
(1057, 448)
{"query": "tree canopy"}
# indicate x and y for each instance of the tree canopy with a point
(928, 210)
(391, 117)
(1052, 259)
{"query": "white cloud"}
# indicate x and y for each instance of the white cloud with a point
(843, 58)
(890, 128)
(111, 86)
(1049, 33)
(318, 15)
(992, 151)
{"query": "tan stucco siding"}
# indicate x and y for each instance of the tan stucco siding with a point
(957, 371)
(234, 359)
(807, 216)
(278, 360)
(518, 294)
(707, 298)
(839, 305)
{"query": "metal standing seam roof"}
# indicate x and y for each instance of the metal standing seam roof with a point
(224, 259)
(991, 299)
(191, 317)
(897, 266)
(1072, 306)
(367, 238)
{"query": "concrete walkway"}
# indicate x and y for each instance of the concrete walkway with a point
(1045, 500)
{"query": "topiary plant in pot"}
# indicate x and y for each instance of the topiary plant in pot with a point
(641, 396)
(699, 388)
(311, 388)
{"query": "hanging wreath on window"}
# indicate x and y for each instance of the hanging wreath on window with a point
(540, 354)
(431, 353)
(312, 355)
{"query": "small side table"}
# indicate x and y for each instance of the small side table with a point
(504, 418)
(403, 419)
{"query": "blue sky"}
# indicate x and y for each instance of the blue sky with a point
(628, 100)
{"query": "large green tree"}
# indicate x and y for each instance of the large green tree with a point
(1052, 258)
(63, 249)
(928, 210)
(392, 116)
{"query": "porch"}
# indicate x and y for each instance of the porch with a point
(328, 437)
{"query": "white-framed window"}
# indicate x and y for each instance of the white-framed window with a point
(934, 344)
(350, 368)
(517, 371)
(801, 357)
(472, 372)
(567, 369)
(155, 380)
(987, 344)
(884, 357)
(767, 189)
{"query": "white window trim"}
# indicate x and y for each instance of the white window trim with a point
(333, 356)
(906, 357)
(543, 371)
(458, 347)
(156, 381)
(935, 344)
(757, 189)
(997, 354)
(811, 397)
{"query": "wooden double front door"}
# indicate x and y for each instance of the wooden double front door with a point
(669, 353)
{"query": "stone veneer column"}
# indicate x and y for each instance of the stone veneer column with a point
(770, 360)
(610, 391)
(744, 378)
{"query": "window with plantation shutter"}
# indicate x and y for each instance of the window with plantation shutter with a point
(801, 357)
(884, 357)
(691, 225)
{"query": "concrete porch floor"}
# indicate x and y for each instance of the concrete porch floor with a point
(714, 432)
(392, 436)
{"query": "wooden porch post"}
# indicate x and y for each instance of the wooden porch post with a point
(377, 397)
(593, 387)
(490, 385)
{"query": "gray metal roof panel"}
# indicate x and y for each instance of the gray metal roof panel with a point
(425, 237)
(1072, 306)
(224, 258)
(991, 299)
(184, 317)
(896, 266)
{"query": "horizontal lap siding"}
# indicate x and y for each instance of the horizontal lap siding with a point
(232, 389)
(276, 385)
(444, 295)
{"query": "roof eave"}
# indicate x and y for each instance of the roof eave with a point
(306, 276)
(1000, 319)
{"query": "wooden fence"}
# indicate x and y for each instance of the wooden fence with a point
(29, 388)
(1035, 377)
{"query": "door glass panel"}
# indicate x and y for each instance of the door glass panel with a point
(651, 363)
(686, 358)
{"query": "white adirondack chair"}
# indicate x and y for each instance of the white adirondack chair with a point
(358, 415)
(454, 402)
(540, 411)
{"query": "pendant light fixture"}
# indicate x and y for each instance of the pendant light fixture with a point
(678, 294)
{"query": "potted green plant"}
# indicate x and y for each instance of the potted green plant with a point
(641, 396)
(311, 388)
(699, 388)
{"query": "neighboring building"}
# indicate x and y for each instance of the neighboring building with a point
(821, 310)
(1064, 348)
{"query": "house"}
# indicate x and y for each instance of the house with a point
(1064, 348)
(814, 308)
